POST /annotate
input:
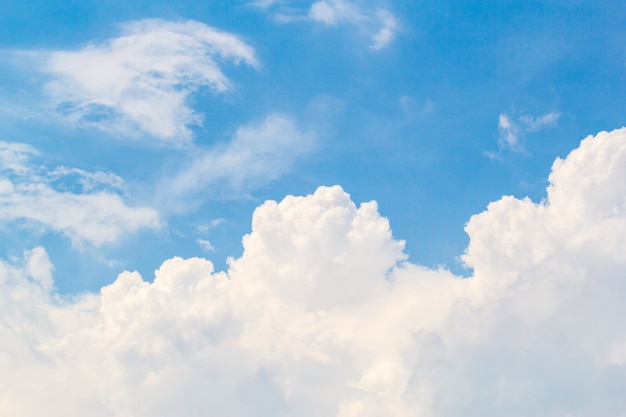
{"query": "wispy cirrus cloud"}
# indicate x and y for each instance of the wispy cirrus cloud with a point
(140, 82)
(512, 131)
(257, 153)
(376, 22)
(323, 315)
(87, 207)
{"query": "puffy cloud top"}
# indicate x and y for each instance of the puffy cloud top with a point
(323, 315)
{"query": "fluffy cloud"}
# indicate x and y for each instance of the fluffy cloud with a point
(258, 153)
(141, 81)
(378, 23)
(93, 213)
(512, 132)
(323, 315)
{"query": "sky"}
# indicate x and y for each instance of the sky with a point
(312, 208)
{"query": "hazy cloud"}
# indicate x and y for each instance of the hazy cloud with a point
(205, 245)
(512, 131)
(334, 12)
(323, 315)
(14, 156)
(140, 82)
(258, 153)
(378, 23)
(387, 30)
(264, 4)
(84, 206)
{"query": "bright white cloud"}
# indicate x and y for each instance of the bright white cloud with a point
(140, 82)
(258, 153)
(323, 315)
(512, 132)
(94, 214)
(378, 23)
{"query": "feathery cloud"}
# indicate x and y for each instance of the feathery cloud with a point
(512, 132)
(94, 213)
(140, 82)
(378, 23)
(258, 153)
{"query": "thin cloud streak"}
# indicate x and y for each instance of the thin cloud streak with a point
(377, 23)
(257, 154)
(512, 132)
(94, 214)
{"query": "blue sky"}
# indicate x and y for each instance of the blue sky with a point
(408, 123)
(134, 133)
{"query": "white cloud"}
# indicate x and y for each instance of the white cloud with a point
(512, 132)
(206, 245)
(333, 12)
(94, 214)
(533, 124)
(378, 23)
(323, 315)
(13, 156)
(89, 180)
(141, 81)
(213, 224)
(387, 31)
(258, 153)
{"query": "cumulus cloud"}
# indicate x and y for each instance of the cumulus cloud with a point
(512, 131)
(140, 82)
(84, 206)
(258, 153)
(378, 23)
(324, 315)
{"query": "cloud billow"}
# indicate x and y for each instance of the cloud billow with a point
(324, 315)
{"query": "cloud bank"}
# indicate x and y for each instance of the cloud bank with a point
(140, 82)
(324, 315)
(87, 207)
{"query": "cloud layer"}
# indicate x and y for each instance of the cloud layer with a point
(84, 206)
(140, 82)
(323, 315)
